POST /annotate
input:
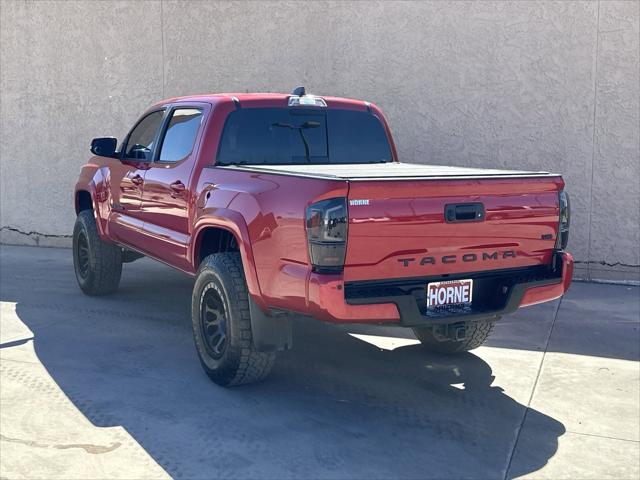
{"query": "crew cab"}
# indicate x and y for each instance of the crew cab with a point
(296, 205)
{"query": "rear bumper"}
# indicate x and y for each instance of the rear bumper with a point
(401, 302)
(545, 293)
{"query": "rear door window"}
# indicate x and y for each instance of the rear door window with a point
(181, 134)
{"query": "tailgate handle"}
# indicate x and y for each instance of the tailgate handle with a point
(464, 212)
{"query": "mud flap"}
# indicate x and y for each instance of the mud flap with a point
(270, 333)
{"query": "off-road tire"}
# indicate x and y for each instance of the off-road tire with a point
(476, 334)
(222, 276)
(97, 264)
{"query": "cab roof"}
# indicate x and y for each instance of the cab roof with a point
(260, 99)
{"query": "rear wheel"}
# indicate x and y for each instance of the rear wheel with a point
(455, 338)
(98, 264)
(222, 323)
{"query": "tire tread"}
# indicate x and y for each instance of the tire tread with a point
(252, 365)
(105, 258)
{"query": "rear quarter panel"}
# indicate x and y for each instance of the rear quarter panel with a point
(272, 207)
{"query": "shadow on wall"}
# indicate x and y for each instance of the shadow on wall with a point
(333, 407)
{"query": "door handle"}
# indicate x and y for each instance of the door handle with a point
(137, 180)
(178, 187)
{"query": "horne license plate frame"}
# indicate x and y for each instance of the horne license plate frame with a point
(450, 293)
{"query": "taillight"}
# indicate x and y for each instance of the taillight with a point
(327, 234)
(565, 217)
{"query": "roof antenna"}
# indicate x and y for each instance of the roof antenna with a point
(299, 91)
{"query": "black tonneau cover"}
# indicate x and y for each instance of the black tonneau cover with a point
(385, 171)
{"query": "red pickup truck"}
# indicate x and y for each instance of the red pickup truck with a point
(296, 205)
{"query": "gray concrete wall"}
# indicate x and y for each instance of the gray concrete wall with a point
(531, 85)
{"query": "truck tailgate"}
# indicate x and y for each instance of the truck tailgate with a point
(398, 229)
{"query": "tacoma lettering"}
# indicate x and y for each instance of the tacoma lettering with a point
(467, 257)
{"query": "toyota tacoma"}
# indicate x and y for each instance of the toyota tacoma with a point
(297, 205)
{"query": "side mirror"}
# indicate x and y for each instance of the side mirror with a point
(104, 147)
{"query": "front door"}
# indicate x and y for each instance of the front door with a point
(167, 192)
(127, 178)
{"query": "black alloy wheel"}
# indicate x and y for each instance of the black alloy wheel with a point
(213, 321)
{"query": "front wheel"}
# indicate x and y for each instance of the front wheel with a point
(222, 323)
(98, 264)
(456, 338)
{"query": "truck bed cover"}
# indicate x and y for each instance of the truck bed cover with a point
(386, 171)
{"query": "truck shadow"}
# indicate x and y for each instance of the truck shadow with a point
(334, 407)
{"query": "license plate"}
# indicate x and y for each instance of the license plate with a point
(454, 292)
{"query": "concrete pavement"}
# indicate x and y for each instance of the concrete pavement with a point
(111, 388)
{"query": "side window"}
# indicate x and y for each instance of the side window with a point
(140, 144)
(181, 134)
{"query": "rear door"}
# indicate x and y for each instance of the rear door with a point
(167, 190)
(399, 228)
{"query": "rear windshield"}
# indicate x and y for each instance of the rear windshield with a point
(281, 136)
